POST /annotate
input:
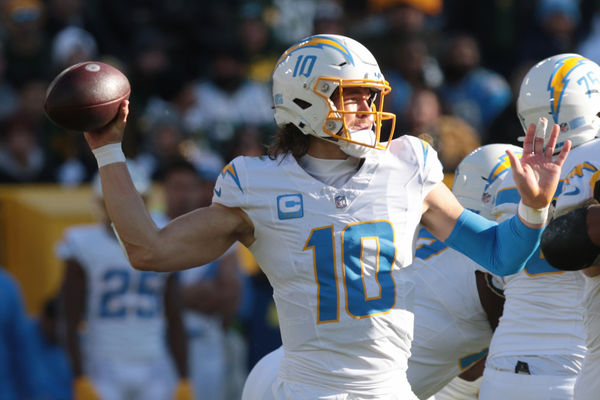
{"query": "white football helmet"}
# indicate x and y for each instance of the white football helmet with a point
(565, 89)
(139, 176)
(310, 71)
(479, 174)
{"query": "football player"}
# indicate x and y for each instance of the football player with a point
(331, 216)
(571, 242)
(456, 303)
(210, 295)
(118, 319)
(539, 345)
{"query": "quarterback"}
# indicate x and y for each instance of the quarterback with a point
(452, 328)
(331, 216)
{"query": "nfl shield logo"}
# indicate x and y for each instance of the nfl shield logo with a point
(340, 201)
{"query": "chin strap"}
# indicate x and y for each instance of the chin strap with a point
(576, 140)
(359, 150)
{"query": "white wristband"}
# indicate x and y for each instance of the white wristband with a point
(533, 216)
(109, 154)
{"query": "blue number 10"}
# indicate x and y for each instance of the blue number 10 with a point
(304, 66)
(353, 237)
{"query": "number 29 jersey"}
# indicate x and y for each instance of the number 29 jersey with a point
(334, 257)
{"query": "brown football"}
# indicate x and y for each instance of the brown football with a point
(86, 96)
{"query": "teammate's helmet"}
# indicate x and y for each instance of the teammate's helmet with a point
(307, 75)
(139, 176)
(565, 89)
(479, 174)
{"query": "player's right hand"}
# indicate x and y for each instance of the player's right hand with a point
(83, 389)
(111, 133)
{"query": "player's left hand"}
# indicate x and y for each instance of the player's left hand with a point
(183, 390)
(536, 174)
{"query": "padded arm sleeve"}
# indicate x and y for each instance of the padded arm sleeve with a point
(503, 249)
(566, 244)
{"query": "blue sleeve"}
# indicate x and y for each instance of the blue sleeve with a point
(503, 249)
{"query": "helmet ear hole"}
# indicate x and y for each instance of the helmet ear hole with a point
(302, 103)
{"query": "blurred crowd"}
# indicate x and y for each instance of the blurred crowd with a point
(200, 78)
(200, 70)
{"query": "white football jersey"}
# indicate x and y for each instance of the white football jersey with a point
(543, 312)
(197, 324)
(578, 184)
(124, 315)
(579, 187)
(334, 258)
(587, 385)
(452, 331)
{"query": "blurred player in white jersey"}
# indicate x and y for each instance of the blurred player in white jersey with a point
(331, 217)
(571, 243)
(457, 304)
(122, 324)
(210, 294)
(539, 345)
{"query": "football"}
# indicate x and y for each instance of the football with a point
(86, 96)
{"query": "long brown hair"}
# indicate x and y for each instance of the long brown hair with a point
(289, 140)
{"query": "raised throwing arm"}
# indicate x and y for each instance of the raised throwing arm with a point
(190, 240)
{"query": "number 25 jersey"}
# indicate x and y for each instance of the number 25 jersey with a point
(334, 257)
(124, 315)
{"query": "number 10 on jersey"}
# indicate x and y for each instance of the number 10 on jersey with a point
(367, 253)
